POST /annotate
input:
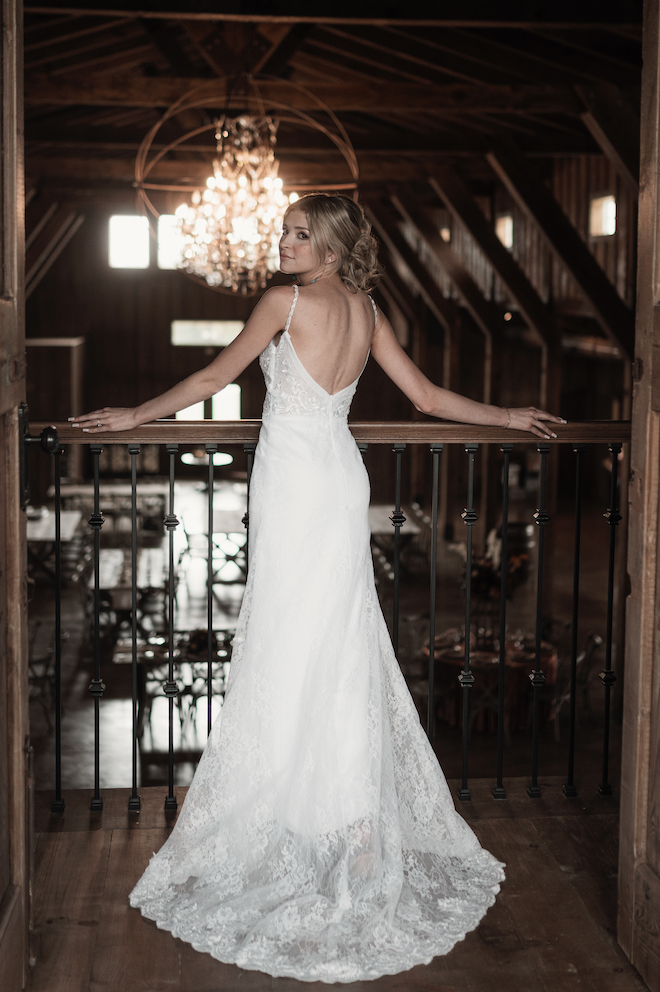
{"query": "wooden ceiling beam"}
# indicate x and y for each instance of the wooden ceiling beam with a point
(521, 62)
(553, 57)
(394, 52)
(483, 312)
(165, 39)
(534, 197)
(235, 47)
(455, 13)
(614, 125)
(454, 193)
(47, 38)
(51, 239)
(294, 170)
(105, 91)
(398, 288)
(384, 220)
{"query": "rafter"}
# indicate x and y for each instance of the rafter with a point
(454, 13)
(385, 222)
(534, 197)
(161, 92)
(47, 241)
(614, 124)
(483, 312)
(453, 192)
(323, 168)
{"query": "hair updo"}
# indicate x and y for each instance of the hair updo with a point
(338, 224)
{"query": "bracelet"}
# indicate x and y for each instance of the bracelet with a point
(508, 421)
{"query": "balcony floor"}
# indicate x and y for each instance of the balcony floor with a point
(551, 929)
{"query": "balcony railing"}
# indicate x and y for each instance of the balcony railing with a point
(434, 438)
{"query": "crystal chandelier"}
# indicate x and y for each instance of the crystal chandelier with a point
(230, 231)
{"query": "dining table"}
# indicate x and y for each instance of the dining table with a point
(519, 662)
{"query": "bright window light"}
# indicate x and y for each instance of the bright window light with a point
(128, 242)
(194, 412)
(207, 333)
(602, 216)
(169, 242)
(226, 404)
(219, 458)
(504, 229)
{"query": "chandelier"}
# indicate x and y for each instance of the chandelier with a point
(230, 231)
(227, 232)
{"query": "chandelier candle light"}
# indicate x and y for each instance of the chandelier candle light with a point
(230, 231)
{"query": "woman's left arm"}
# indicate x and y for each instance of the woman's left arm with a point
(267, 318)
(438, 402)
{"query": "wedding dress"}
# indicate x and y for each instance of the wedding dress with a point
(318, 839)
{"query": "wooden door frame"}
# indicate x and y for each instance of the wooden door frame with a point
(639, 864)
(14, 738)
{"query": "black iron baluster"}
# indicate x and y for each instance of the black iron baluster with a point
(466, 678)
(537, 678)
(57, 806)
(398, 520)
(570, 790)
(436, 451)
(607, 676)
(97, 687)
(499, 792)
(210, 452)
(171, 688)
(134, 802)
(249, 450)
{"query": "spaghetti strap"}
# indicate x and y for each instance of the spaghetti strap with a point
(375, 311)
(293, 307)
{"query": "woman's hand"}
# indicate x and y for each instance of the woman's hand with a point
(110, 418)
(529, 418)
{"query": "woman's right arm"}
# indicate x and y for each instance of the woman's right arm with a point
(267, 318)
(438, 402)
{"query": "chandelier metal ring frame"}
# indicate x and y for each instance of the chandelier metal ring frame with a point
(229, 264)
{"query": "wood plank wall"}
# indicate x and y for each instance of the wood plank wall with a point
(574, 181)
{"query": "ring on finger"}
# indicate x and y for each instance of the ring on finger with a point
(98, 423)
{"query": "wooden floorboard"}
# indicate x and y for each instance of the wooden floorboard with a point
(585, 849)
(132, 954)
(568, 947)
(551, 929)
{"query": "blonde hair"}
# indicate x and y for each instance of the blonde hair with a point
(338, 224)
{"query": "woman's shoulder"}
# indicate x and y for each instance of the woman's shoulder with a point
(278, 296)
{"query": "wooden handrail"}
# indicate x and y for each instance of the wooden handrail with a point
(372, 432)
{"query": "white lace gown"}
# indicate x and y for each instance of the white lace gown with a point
(318, 839)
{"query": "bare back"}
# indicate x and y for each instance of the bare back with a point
(331, 331)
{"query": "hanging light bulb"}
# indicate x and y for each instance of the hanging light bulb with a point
(230, 231)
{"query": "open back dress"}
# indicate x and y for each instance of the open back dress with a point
(318, 839)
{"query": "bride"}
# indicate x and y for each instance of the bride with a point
(318, 839)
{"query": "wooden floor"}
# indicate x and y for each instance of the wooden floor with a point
(551, 929)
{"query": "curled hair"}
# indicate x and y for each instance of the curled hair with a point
(338, 224)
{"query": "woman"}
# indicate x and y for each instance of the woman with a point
(318, 839)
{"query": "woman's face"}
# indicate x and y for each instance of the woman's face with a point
(296, 254)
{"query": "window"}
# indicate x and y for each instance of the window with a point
(504, 229)
(194, 412)
(169, 242)
(207, 333)
(226, 405)
(602, 216)
(128, 242)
